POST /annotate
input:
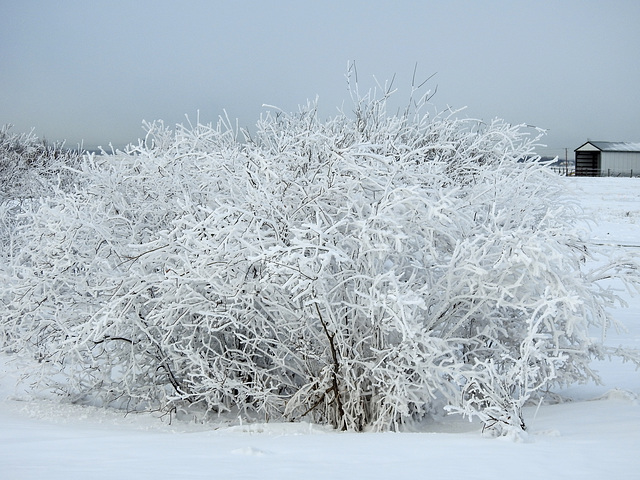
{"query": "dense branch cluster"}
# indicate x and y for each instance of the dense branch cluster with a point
(364, 271)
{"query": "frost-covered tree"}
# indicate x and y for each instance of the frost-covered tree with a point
(362, 271)
(31, 167)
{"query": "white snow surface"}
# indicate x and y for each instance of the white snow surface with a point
(593, 434)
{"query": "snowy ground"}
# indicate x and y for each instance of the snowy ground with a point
(594, 435)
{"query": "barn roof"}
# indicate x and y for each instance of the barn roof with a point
(612, 146)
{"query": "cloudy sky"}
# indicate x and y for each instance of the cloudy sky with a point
(92, 71)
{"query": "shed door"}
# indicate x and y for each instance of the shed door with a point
(587, 164)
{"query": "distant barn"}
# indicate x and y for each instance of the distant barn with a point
(594, 159)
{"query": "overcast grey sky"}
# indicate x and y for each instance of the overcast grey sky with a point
(93, 70)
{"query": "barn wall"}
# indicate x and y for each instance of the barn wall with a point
(618, 163)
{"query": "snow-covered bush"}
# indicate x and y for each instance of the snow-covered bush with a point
(362, 271)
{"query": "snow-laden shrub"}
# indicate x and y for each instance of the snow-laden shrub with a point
(362, 271)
